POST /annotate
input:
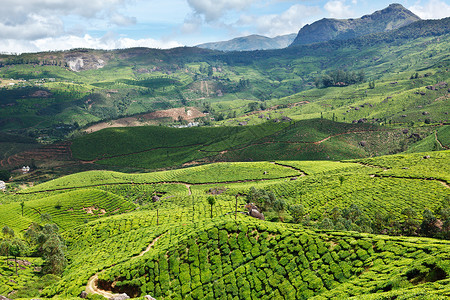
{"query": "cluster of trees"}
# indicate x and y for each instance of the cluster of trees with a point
(5, 175)
(33, 61)
(429, 224)
(266, 201)
(41, 241)
(252, 106)
(432, 224)
(339, 78)
(229, 86)
(207, 70)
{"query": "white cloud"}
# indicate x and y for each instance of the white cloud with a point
(214, 10)
(109, 41)
(33, 27)
(289, 21)
(35, 19)
(433, 9)
(338, 9)
(85, 8)
(121, 20)
(191, 24)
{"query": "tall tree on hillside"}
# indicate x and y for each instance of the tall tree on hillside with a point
(16, 249)
(211, 201)
(50, 245)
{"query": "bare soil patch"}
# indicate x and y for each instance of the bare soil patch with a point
(173, 114)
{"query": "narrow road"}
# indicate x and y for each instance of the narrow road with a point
(92, 285)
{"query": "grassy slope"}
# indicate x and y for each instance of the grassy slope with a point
(389, 263)
(252, 259)
(67, 210)
(317, 139)
(139, 79)
(376, 185)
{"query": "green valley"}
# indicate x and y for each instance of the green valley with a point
(317, 171)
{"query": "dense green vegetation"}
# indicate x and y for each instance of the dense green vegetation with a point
(135, 81)
(352, 177)
(318, 139)
(197, 256)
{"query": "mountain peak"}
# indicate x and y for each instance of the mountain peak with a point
(251, 42)
(392, 17)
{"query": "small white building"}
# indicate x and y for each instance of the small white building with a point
(25, 169)
(2, 185)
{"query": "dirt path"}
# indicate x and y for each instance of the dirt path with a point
(439, 142)
(291, 142)
(149, 246)
(290, 167)
(444, 183)
(92, 287)
(163, 182)
(137, 152)
(189, 189)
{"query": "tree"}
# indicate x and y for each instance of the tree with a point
(7, 232)
(53, 254)
(335, 214)
(261, 198)
(444, 213)
(5, 175)
(49, 244)
(372, 84)
(210, 71)
(428, 226)
(22, 205)
(351, 213)
(297, 212)
(211, 201)
(326, 224)
(252, 106)
(279, 205)
(411, 224)
(4, 248)
(16, 249)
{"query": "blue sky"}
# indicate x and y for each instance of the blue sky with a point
(41, 25)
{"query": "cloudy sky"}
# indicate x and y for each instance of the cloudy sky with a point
(41, 25)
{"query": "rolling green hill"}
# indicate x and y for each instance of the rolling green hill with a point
(48, 100)
(343, 146)
(173, 249)
(159, 147)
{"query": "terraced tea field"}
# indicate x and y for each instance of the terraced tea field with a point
(110, 219)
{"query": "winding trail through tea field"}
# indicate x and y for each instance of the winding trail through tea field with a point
(92, 285)
(439, 142)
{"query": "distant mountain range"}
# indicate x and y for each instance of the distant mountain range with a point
(251, 42)
(392, 17)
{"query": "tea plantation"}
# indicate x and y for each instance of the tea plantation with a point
(156, 233)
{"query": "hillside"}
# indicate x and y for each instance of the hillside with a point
(49, 100)
(390, 18)
(315, 139)
(181, 247)
(251, 42)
